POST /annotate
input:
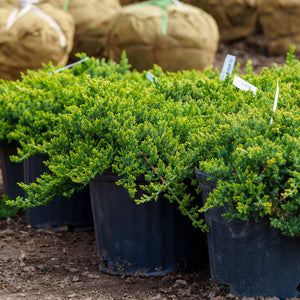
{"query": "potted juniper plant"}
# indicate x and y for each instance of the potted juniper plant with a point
(249, 175)
(246, 155)
(12, 172)
(31, 111)
(29, 108)
(131, 141)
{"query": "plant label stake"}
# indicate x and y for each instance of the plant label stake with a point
(243, 85)
(72, 65)
(228, 66)
(275, 101)
(151, 77)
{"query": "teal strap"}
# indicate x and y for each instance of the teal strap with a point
(164, 16)
(66, 5)
(162, 3)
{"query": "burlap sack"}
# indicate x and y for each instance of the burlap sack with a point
(91, 20)
(128, 2)
(175, 38)
(280, 22)
(57, 3)
(4, 14)
(61, 4)
(32, 40)
(236, 18)
(6, 4)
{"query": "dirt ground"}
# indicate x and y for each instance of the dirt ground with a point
(252, 48)
(40, 264)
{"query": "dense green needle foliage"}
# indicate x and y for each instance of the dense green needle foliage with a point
(258, 162)
(7, 211)
(101, 117)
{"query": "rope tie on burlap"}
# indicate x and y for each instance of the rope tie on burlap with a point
(28, 5)
(162, 4)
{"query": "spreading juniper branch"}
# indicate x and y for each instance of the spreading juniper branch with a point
(194, 220)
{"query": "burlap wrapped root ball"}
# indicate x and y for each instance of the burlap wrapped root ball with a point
(7, 3)
(128, 2)
(236, 18)
(91, 25)
(32, 38)
(160, 32)
(280, 22)
(61, 4)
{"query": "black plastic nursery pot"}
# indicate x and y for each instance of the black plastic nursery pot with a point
(12, 172)
(251, 258)
(75, 212)
(148, 239)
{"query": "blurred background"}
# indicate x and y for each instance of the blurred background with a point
(176, 35)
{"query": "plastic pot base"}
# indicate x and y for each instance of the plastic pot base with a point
(74, 212)
(12, 172)
(149, 239)
(251, 258)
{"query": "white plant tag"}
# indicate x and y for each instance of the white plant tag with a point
(177, 3)
(228, 66)
(243, 85)
(72, 65)
(275, 101)
(151, 77)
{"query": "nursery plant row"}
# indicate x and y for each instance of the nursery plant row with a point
(99, 117)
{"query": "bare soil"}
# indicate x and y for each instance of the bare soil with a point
(40, 264)
(252, 48)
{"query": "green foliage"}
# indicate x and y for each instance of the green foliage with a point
(258, 162)
(7, 211)
(101, 68)
(100, 116)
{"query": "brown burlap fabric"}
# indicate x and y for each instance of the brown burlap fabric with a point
(280, 22)
(31, 41)
(4, 14)
(7, 3)
(190, 41)
(128, 2)
(236, 18)
(91, 20)
(57, 3)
